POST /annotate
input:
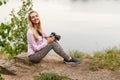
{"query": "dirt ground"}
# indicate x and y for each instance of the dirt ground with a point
(55, 64)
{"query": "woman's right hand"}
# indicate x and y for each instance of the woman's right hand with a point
(50, 39)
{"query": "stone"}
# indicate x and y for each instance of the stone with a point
(23, 58)
(6, 67)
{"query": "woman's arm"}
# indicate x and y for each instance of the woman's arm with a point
(33, 43)
(46, 36)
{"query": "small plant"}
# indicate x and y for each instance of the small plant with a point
(78, 54)
(110, 59)
(50, 76)
(0, 75)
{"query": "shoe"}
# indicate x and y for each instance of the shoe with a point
(72, 61)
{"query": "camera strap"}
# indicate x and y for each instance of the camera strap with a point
(39, 32)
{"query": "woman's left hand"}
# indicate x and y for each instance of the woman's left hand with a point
(50, 39)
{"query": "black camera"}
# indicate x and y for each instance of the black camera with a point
(57, 37)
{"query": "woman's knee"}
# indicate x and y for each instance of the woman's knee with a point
(55, 43)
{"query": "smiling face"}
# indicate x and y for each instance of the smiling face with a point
(34, 17)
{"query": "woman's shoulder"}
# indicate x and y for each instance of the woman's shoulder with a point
(29, 31)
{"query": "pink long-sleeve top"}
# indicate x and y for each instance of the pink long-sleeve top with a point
(34, 45)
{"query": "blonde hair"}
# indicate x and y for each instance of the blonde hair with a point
(31, 25)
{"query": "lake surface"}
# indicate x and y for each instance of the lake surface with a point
(85, 25)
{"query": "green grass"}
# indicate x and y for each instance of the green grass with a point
(50, 76)
(0, 75)
(109, 58)
(79, 55)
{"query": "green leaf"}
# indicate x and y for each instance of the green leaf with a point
(4, 1)
(0, 3)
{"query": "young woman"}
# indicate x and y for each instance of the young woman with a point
(39, 44)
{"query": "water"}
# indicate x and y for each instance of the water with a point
(85, 25)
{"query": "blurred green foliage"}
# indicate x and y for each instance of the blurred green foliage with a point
(3, 2)
(13, 34)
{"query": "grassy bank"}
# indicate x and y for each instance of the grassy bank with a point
(109, 58)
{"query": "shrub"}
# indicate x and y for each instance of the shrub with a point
(78, 54)
(50, 76)
(110, 58)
